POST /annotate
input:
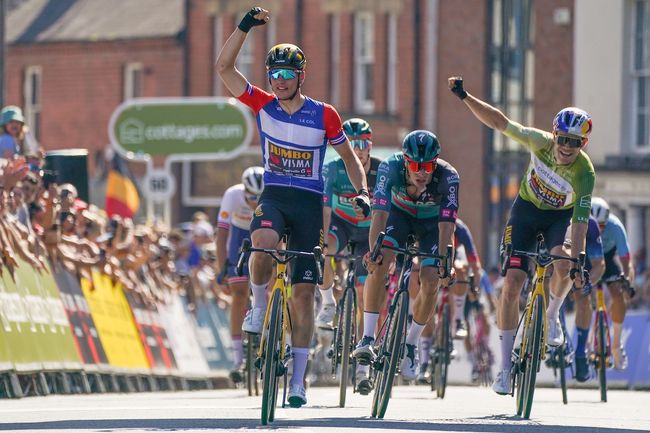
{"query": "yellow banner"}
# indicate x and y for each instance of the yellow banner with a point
(114, 320)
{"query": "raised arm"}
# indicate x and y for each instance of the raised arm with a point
(225, 65)
(487, 114)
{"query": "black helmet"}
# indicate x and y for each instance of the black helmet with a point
(286, 55)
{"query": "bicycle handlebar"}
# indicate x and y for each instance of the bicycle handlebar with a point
(412, 252)
(245, 247)
(542, 257)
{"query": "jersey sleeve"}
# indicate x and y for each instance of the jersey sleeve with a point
(449, 189)
(583, 188)
(329, 173)
(532, 138)
(464, 237)
(227, 207)
(381, 196)
(255, 98)
(594, 243)
(622, 244)
(333, 125)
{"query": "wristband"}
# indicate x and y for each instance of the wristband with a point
(249, 20)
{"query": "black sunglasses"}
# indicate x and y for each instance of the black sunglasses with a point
(572, 142)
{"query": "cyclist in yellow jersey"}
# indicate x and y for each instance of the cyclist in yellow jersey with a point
(554, 192)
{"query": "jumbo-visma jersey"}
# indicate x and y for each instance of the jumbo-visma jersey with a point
(293, 145)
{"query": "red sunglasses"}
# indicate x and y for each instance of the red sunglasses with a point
(416, 167)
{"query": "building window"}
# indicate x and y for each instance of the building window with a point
(335, 50)
(391, 98)
(133, 74)
(364, 61)
(32, 95)
(641, 74)
(217, 87)
(245, 59)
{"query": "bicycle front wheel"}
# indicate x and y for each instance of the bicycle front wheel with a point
(391, 353)
(532, 355)
(444, 349)
(346, 342)
(601, 364)
(561, 351)
(271, 358)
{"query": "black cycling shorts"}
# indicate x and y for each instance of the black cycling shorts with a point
(525, 222)
(299, 212)
(344, 232)
(613, 268)
(400, 225)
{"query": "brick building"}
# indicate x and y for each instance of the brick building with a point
(70, 63)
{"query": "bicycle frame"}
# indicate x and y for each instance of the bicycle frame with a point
(538, 292)
(286, 324)
(601, 307)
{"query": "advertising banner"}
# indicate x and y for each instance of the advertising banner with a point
(114, 320)
(35, 330)
(83, 327)
(213, 331)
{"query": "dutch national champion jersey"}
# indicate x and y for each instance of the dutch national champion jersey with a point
(340, 193)
(234, 209)
(550, 186)
(439, 200)
(293, 145)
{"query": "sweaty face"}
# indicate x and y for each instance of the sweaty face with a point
(565, 150)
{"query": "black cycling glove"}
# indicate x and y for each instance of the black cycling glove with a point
(363, 201)
(249, 21)
(458, 89)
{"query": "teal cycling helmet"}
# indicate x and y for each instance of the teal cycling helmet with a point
(357, 128)
(421, 146)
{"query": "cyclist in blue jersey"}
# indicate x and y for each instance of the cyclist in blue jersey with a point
(595, 264)
(618, 262)
(340, 221)
(416, 193)
(294, 133)
(235, 215)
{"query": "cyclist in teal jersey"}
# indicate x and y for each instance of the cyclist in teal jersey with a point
(416, 193)
(555, 192)
(341, 224)
(295, 131)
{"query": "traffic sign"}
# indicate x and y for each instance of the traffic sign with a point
(159, 185)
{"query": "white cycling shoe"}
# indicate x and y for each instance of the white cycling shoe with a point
(254, 320)
(503, 383)
(554, 334)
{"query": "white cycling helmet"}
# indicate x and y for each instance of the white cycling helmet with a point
(599, 210)
(253, 180)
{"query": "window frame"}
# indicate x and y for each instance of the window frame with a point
(637, 74)
(32, 98)
(364, 57)
(129, 91)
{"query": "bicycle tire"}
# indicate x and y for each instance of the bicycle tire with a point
(442, 366)
(336, 339)
(250, 367)
(271, 359)
(395, 346)
(601, 365)
(346, 342)
(562, 368)
(534, 344)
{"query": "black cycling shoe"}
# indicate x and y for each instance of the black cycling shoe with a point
(582, 369)
(364, 386)
(364, 352)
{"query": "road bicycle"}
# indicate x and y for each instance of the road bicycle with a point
(390, 347)
(272, 357)
(345, 329)
(526, 359)
(562, 357)
(443, 346)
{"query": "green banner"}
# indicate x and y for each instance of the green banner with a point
(35, 331)
(203, 127)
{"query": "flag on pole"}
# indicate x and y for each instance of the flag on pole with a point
(122, 196)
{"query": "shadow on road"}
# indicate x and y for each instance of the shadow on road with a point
(505, 423)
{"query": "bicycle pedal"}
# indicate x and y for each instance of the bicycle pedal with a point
(280, 370)
(258, 363)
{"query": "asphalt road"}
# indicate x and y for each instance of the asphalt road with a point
(464, 409)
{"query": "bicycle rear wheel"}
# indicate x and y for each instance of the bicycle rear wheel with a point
(532, 353)
(391, 352)
(250, 371)
(442, 362)
(601, 364)
(346, 342)
(271, 359)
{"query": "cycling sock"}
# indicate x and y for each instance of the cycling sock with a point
(554, 305)
(414, 333)
(425, 346)
(411, 304)
(507, 337)
(237, 350)
(370, 323)
(327, 295)
(259, 295)
(581, 347)
(459, 303)
(617, 329)
(300, 356)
